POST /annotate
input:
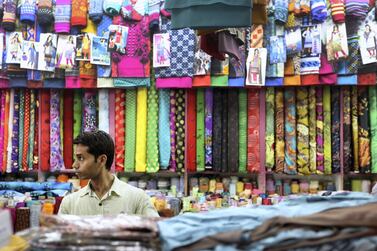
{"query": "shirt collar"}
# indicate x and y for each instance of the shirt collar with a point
(116, 188)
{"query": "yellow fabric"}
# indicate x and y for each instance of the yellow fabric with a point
(16, 243)
(141, 130)
(91, 27)
(121, 198)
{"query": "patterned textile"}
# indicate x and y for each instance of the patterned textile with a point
(233, 130)
(319, 132)
(200, 131)
(270, 128)
(180, 123)
(253, 148)
(355, 128)
(62, 16)
(327, 129)
(242, 106)
(312, 130)
(347, 131)
(303, 130)
(15, 132)
(208, 111)
(90, 111)
(120, 125)
(335, 129)
(364, 135)
(173, 130)
(281, 11)
(279, 131)
(164, 128)
(290, 129)
(130, 143)
(56, 156)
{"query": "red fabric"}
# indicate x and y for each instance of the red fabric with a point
(311, 79)
(68, 128)
(44, 105)
(79, 13)
(26, 130)
(34, 84)
(209, 43)
(191, 131)
(120, 100)
(366, 78)
(199, 81)
(253, 158)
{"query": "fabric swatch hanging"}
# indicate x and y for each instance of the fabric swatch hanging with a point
(217, 129)
(68, 127)
(253, 148)
(90, 111)
(164, 128)
(242, 133)
(312, 131)
(303, 161)
(327, 129)
(290, 165)
(62, 16)
(355, 128)
(200, 123)
(141, 130)
(96, 10)
(335, 129)
(45, 13)
(208, 131)
(270, 128)
(319, 131)
(152, 129)
(79, 12)
(191, 131)
(119, 129)
(56, 156)
(6, 130)
(233, 137)
(279, 131)
(373, 126)
(28, 11)
(173, 130)
(364, 135)
(347, 131)
(130, 143)
(9, 16)
(15, 132)
(21, 129)
(8, 143)
(180, 97)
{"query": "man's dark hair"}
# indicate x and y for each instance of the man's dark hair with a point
(98, 143)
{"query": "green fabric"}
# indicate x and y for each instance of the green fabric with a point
(270, 127)
(373, 126)
(327, 128)
(302, 105)
(31, 130)
(355, 128)
(221, 81)
(129, 160)
(77, 113)
(200, 116)
(21, 128)
(242, 127)
(152, 128)
(312, 131)
(172, 4)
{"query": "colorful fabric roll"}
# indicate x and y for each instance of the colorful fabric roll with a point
(233, 130)
(290, 165)
(303, 162)
(270, 128)
(335, 129)
(21, 129)
(312, 130)
(28, 11)
(79, 12)
(152, 129)
(103, 110)
(90, 111)
(242, 127)
(141, 130)
(77, 109)
(224, 134)
(373, 127)
(180, 97)
(2, 127)
(253, 150)
(9, 16)
(68, 128)
(318, 10)
(62, 16)
(15, 132)
(10, 132)
(119, 129)
(191, 131)
(355, 128)
(357, 8)
(112, 7)
(130, 143)
(319, 131)
(164, 128)
(347, 131)
(96, 10)
(338, 11)
(200, 133)
(56, 156)
(208, 127)
(364, 136)
(6, 131)
(327, 129)
(279, 131)
(173, 131)
(217, 128)
(32, 128)
(45, 12)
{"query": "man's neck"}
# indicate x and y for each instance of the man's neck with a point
(102, 184)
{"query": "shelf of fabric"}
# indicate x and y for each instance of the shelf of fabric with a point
(161, 174)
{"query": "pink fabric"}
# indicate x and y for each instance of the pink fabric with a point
(2, 117)
(4, 83)
(72, 82)
(326, 72)
(182, 82)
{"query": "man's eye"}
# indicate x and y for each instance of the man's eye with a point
(80, 158)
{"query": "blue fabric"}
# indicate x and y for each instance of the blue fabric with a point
(23, 187)
(104, 71)
(54, 83)
(236, 82)
(191, 227)
(274, 81)
(164, 127)
(132, 82)
(347, 80)
(17, 82)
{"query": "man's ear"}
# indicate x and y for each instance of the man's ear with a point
(102, 159)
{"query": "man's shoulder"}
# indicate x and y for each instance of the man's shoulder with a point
(128, 189)
(77, 194)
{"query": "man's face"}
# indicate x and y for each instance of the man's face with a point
(85, 163)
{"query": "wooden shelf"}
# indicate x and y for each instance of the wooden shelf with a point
(223, 174)
(160, 174)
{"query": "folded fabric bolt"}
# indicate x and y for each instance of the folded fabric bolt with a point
(366, 78)
(273, 81)
(309, 65)
(201, 81)
(281, 11)
(338, 11)
(79, 12)
(347, 79)
(45, 12)
(112, 7)
(318, 10)
(132, 82)
(9, 16)
(310, 79)
(177, 82)
(105, 82)
(357, 8)
(96, 10)
(62, 16)
(326, 71)
(27, 12)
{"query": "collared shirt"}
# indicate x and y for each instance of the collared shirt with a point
(121, 198)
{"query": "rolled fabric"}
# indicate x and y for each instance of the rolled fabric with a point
(290, 166)
(338, 11)
(45, 13)
(173, 131)
(312, 131)
(21, 129)
(180, 124)
(319, 131)
(335, 129)
(357, 8)
(96, 10)
(89, 122)
(347, 131)
(224, 134)
(8, 141)
(281, 11)
(56, 156)
(2, 127)
(191, 131)
(15, 133)
(119, 129)
(253, 150)
(364, 136)
(302, 105)
(217, 129)
(233, 112)
(242, 126)
(103, 110)
(270, 128)
(141, 130)
(28, 11)
(131, 102)
(373, 127)
(208, 120)
(279, 131)
(112, 7)
(62, 16)
(68, 128)
(9, 16)
(163, 128)
(79, 13)
(355, 128)
(33, 150)
(318, 10)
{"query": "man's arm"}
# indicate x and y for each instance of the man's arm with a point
(65, 206)
(145, 207)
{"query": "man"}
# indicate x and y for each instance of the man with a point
(105, 194)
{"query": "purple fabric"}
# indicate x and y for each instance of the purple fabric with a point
(90, 111)
(208, 127)
(15, 138)
(56, 156)
(236, 82)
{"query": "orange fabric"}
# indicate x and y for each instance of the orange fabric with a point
(26, 130)
(311, 79)
(120, 100)
(204, 80)
(259, 14)
(79, 13)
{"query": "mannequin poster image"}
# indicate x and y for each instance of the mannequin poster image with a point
(311, 40)
(83, 47)
(66, 52)
(99, 52)
(368, 42)
(14, 47)
(277, 50)
(293, 41)
(161, 53)
(47, 52)
(117, 38)
(336, 45)
(256, 67)
(29, 58)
